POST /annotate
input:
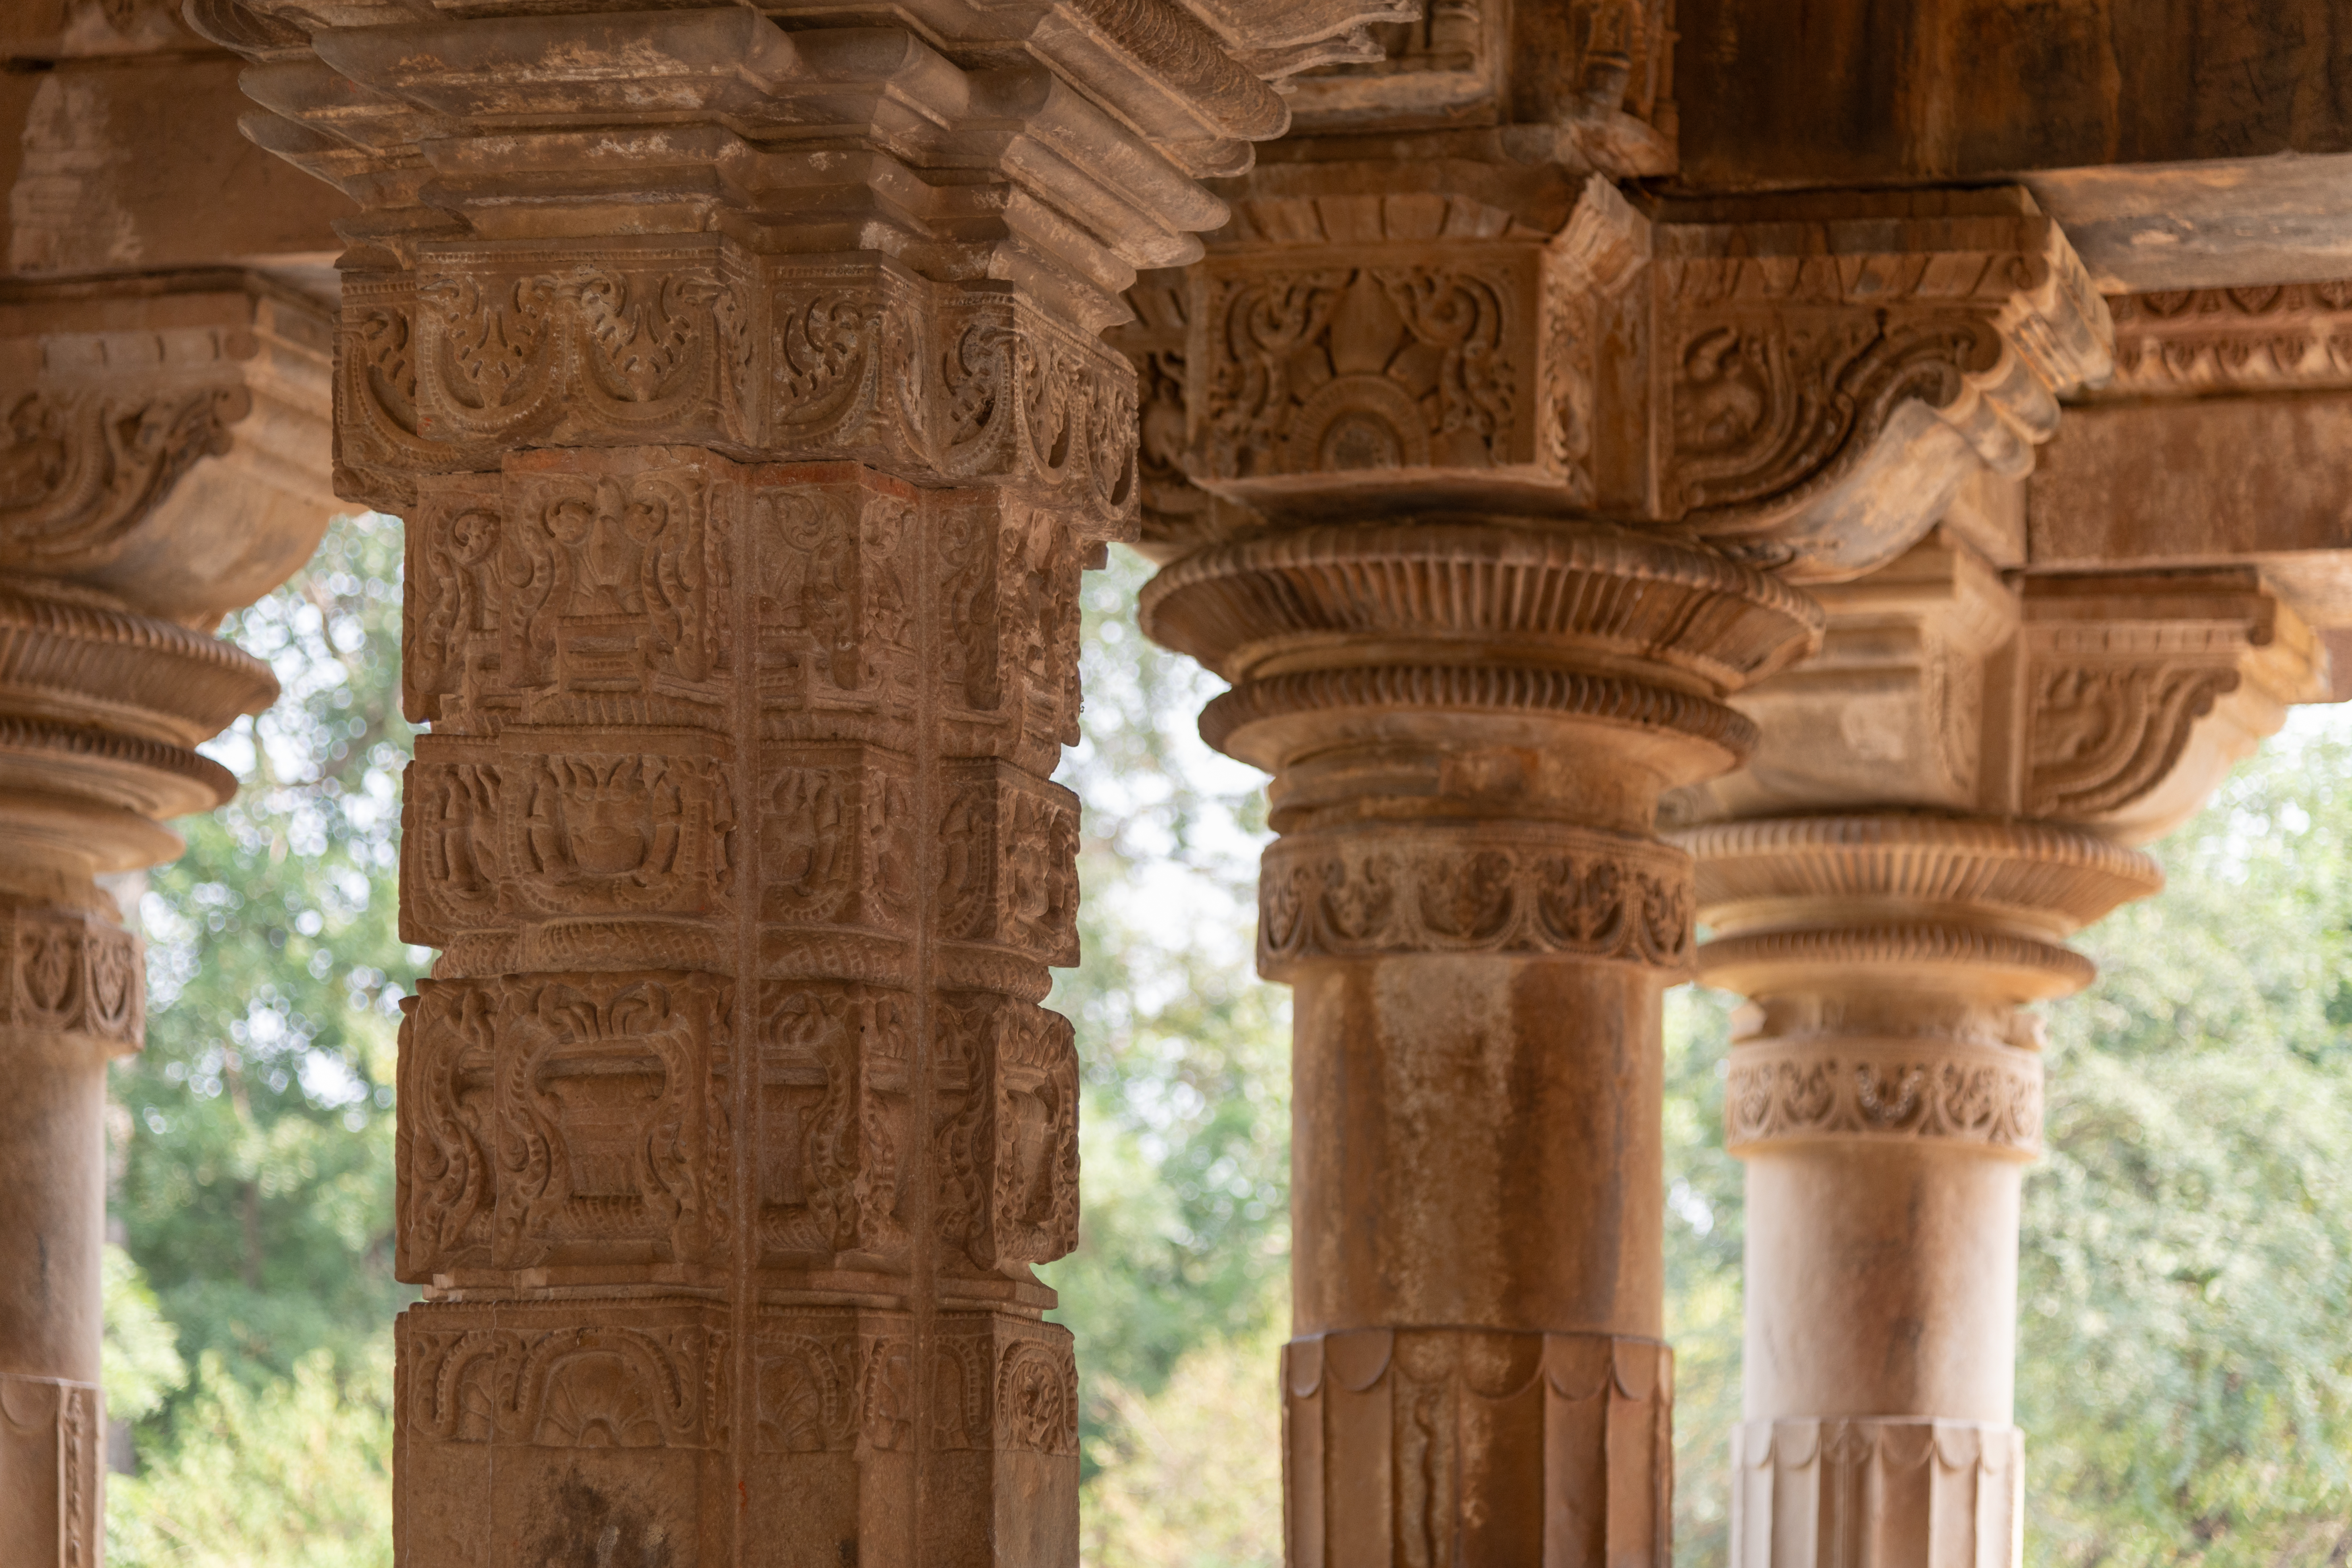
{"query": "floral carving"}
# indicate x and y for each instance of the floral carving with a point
(2285, 336)
(1005, 1131)
(81, 468)
(2104, 735)
(1008, 847)
(1391, 892)
(1779, 1093)
(1334, 369)
(69, 972)
(654, 1379)
(834, 1144)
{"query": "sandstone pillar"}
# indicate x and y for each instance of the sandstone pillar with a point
(1468, 472)
(738, 378)
(151, 478)
(1944, 795)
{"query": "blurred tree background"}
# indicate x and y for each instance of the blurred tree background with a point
(2185, 1373)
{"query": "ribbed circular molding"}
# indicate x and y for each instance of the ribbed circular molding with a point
(1579, 596)
(1798, 1092)
(1775, 872)
(1896, 956)
(84, 664)
(113, 772)
(1511, 889)
(1229, 722)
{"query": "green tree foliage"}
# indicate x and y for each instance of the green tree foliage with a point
(2185, 1374)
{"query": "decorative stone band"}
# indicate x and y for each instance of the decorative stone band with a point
(1927, 955)
(2183, 342)
(1801, 1091)
(1477, 689)
(1527, 890)
(484, 348)
(1444, 1444)
(1565, 594)
(145, 678)
(2056, 879)
(51, 1455)
(1877, 1492)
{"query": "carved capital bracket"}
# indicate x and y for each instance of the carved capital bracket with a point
(1806, 383)
(2142, 691)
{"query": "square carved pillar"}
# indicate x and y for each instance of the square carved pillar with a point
(737, 373)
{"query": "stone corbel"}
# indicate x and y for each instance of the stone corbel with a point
(1806, 385)
(2142, 691)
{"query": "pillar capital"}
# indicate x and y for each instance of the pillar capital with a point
(1805, 383)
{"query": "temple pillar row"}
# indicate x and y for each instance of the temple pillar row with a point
(152, 477)
(1491, 489)
(737, 373)
(1943, 796)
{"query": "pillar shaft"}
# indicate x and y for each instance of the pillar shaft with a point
(1477, 927)
(146, 500)
(750, 443)
(1884, 885)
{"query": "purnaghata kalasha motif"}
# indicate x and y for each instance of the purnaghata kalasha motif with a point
(564, 1120)
(1989, 1096)
(655, 1378)
(1508, 889)
(73, 973)
(555, 837)
(1306, 369)
(1004, 1131)
(834, 1142)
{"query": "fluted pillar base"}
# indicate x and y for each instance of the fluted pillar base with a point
(1877, 1492)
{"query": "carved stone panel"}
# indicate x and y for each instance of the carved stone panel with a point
(565, 1121)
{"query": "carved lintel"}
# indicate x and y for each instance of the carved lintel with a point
(2142, 691)
(2286, 337)
(1877, 1492)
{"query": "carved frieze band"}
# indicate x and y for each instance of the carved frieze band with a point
(1881, 1492)
(1565, 1441)
(1789, 1091)
(51, 1452)
(483, 350)
(584, 1125)
(660, 1375)
(1518, 889)
(72, 974)
(2280, 336)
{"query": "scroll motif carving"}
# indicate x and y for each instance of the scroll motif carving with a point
(1588, 895)
(762, 358)
(838, 1381)
(834, 1142)
(546, 838)
(657, 1378)
(80, 467)
(1565, 1438)
(564, 1120)
(1005, 1131)
(1339, 369)
(1788, 1093)
(2105, 735)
